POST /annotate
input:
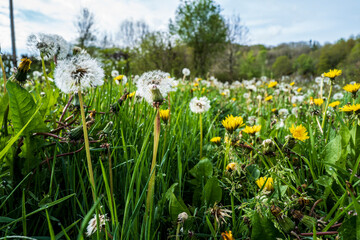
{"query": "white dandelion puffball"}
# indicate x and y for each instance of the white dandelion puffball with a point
(48, 45)
(246, 95)
(186, 71)
(283, 112)
(152, 80)
(199, 105)
(77, 73)
(92, 227)
(115, 73)
(338, 96)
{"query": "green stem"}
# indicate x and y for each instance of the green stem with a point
(44, 71)
(151, 187)
(4, 73)
(326, 107)
(178, 231)
(87, 147)
(201, 136)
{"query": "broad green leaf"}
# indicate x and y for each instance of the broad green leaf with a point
(332, 153)
(354, 146)
(263, 228)
(253, 171)
(4, 101)
(212, 192)
(203, 168)
(22, 108)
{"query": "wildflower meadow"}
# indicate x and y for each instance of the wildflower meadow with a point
(88, 151)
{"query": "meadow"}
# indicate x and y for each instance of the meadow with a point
(94, 154)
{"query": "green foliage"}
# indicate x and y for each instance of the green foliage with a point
(305, 65)
(263, 228)
(282, 66)
(200, 25)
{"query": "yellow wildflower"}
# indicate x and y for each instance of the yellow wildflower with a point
(350, 108)
(265, 183)
(352, 88)
(119, 78)
(273, 110)
(334, 104)
(227, 236)
(299, 132)
(234, 99)
(231, 123)
(196, 84)
(164, 115)
(299, 89)
(318, 101)
(333, 73)
(294, 105)
(216, 140)
(268, 98)
(272, 84)
(231, 166)
(292, 84)
(252, 130)
(22, 70)
(131, 95)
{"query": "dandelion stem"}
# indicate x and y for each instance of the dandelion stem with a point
(4, 73)
(326, 107)
(44, 71)
(150, 194)
(178, 231)
(201, 136)
(87, 147)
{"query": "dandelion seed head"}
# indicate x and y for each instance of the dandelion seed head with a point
(199, 105)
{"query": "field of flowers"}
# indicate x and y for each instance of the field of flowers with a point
(93, 154)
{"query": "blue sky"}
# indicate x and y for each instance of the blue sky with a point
(270, 22)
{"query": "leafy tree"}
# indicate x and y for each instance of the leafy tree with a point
(282, 66)
(200, 25)
(304, 65)
(85, 27)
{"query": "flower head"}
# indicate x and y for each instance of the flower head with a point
(114, 73)
(352, 88)
(186, 71)
(231, 166)
(227, 235)
(231, 123)
(92, 227)
(77, 73)
(268, 98)
(164, 115)
(120, 78)
(350, 108)
(182, 217)
(131, 95)
(292, 84)
(199, 105)
(24, 67)
(153, 83)
(252, 130)
(299, 132)
(334, 104)
(318, 101)
(48, 45)
(265, 183)
(216, 140)
(333, 73)
(272, 84)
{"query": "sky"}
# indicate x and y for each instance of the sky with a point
(270, 22)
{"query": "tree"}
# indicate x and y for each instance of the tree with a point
(132, 33)
(305, 65)
(282, 66)
(85, 28)
(200, 25)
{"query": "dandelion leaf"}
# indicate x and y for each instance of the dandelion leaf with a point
(212, 192)
(4, 101)
(22, 107)
(203, 168)
(263, 228)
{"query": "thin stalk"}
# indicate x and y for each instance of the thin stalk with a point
(201, 136)
(151, 187)
(326, 107)
(111, 177)
(44, 71)
(4, 73)
(178, 231)
(87, 147)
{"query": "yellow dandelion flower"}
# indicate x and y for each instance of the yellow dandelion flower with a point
(119, 78)
(350, 108)
(231, 123)
(234, 99)
(223, 94)
(265, 183)
(272, 84)
(164, 115)
(318, 101)
(22, 70)
(131, 95)
(231, 166)
(294, 105)
(227, 236)
(299, 89)
(252, 130)
(299, 132)
(268, 98)
(216, 140)
(333, 73)
(352, 88)
(196, 84)
(274, 110)
(334, 104)
(292, 84)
